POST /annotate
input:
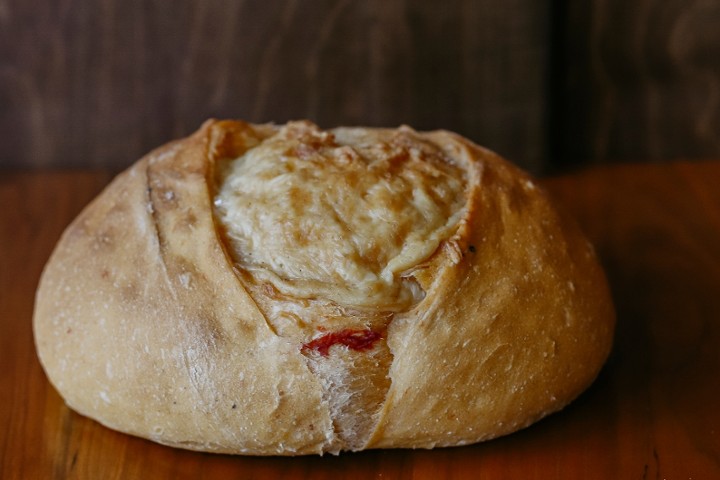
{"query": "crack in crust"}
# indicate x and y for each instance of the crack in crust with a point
(323, 293)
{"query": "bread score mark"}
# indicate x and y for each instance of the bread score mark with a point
(354, 339)
(328, 231)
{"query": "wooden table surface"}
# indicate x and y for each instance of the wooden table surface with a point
(652, 413)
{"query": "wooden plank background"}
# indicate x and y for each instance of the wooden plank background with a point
(641, 80)
(551, 84)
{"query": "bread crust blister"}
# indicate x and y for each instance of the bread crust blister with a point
(150, 321)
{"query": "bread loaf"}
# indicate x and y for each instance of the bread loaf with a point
(284, 290)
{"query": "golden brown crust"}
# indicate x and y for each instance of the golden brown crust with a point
(141, 323)
(144, 323)
(519, 322)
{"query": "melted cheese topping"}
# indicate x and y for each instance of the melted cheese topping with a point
(340, 216)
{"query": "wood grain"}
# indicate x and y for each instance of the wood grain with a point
(652, 413)
(549, 84)
(101, 83)
(637, 80)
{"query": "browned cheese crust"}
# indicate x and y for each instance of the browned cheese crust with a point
(153, 317)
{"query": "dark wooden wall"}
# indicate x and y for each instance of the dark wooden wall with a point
(641, 80)
(550, 84)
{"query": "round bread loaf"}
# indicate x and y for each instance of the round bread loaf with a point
(283, 290)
